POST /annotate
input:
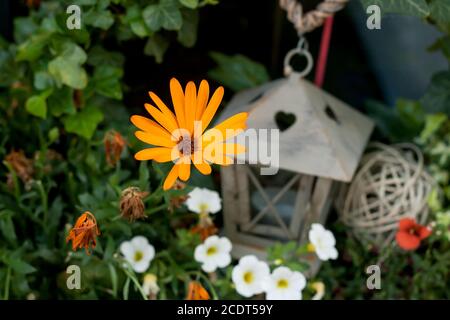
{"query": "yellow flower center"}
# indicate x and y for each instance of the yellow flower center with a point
(248, 277)
(138, 255)
(211, 251)
(282, 284)
(310, 247)
(204, 208)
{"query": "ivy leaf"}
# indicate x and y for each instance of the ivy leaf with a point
(165, 15)
(42, 80)
(100, 19)
(32, 48)
(106, 81)
(61, 102)
(98, 56)
(238, 72)
(67, 69)
(156, 46)
(187, 35)
(440, 12)
(437, 96)
(418, 8)
(84, 122)
(192, 4)
(37, 106)
(433, 122)
(24, 27)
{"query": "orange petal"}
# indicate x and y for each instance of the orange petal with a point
(171, 178)
(227, 129)
(150, 126)
(202, 99)
(164, 109)
(203, 167)
(150, 153)
(218, 158)
(168, 155)
(178, 101)
(184, 168)
(154, 139)
(212, 107)
(190, 105)
(162, 119)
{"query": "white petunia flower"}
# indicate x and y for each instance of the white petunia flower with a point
(213, 253)
(204, 201)
(248, 275)
(150, 286)
(284, 284)
(323, 242)
(138, 252)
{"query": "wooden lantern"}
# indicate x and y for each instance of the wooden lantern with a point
(322, 145)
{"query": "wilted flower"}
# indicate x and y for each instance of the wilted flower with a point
(205, 228)
(114, 145)
(182, 138)
(284, 284)
(150, 286)
(204, 201)
(131, 204)
(196, 291)
(323, 242)
(213, 253)
(248, 275)
(138, 252)
(84, 233)
(410, 234)
(22, 166)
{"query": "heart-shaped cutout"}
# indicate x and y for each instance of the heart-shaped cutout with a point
(284, 120)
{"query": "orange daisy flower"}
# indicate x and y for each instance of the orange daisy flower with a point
(196, 291)
(84, 233)
(182, 138)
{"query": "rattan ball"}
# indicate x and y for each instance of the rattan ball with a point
(390, 184)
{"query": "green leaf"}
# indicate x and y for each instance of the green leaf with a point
(42, 80)
(37, 106)
(24, 27)
(66, 68)
(187, 35)
(165, 15)
(98, 55)
(433, 123)
(61, 102)
(192, 4)
(84, 122)
(440, 12)
(138, 27)
(106, 81)
(156, 46)
(32, 48)
(100, 19)
(437, 96)
(20, 266)
(238, 72)
(417, 8)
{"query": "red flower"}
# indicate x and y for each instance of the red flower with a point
(410, 233)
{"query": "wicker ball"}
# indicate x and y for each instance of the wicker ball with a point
(390, 184)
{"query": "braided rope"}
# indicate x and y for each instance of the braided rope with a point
(309, 21)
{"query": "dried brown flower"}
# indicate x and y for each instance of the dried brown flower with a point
(22, 166)
(131, 204)
(114, 145)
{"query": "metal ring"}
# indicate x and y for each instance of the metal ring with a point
(309, 62)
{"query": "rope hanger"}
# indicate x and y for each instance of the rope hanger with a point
(323, 14)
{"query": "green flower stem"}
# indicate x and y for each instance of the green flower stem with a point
(15, 181)
(44, 199)
(7, 284)
(133, 278)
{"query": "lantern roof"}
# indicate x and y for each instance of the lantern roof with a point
(319, 134)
